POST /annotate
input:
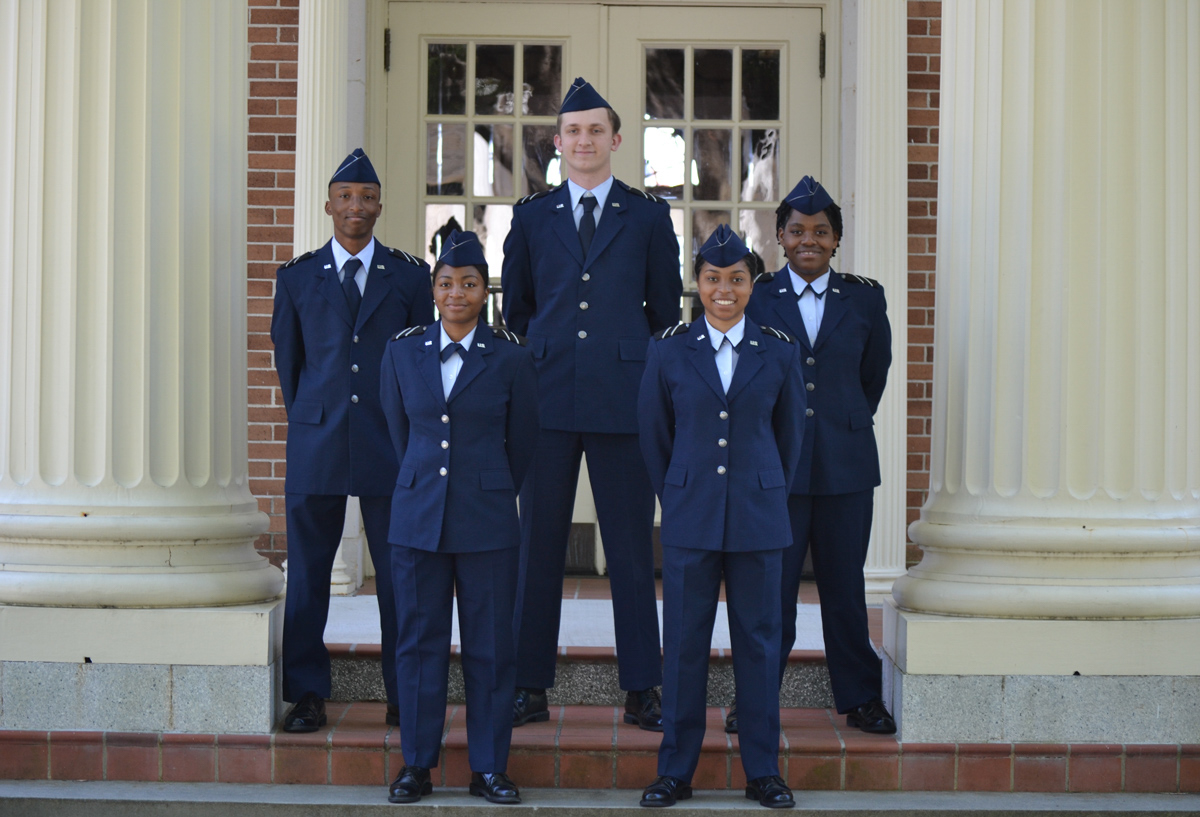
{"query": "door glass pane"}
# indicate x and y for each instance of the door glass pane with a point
(664, 83)
(664, 157)
(758, 230)
(543, 79)
(541, 162)
(760, 165)
(493, 79)
(447, 92)
(760, 83)
(440, 221)
(712, 164)
(491, 223)
(713, 83)
(445, 159)
(703, 224)
(493, 154)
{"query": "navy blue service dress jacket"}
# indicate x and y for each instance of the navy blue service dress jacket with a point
(845, 372)
(462, 459)
(721, 463)
(588, 319)
(328, 368)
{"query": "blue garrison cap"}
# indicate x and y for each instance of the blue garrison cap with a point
(462, 249)
(356, 168)
(809, 197)
(581, 96)
(723, 248)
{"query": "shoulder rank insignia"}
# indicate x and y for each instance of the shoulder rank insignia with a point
(775, 333)
(299, 258)
(677, 329)
(513, 337)
(859, 279)
(401, 254)
(409, 332)
(764, 277)
(537, 195)
(637, 191)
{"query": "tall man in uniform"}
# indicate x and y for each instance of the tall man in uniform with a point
(335, 310)
(841, 324)
(591, 271)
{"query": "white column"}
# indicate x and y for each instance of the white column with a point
(881, 252)
(123, 475)
(1061, 536)
(323, 72)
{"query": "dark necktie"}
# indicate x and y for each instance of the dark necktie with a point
(350, 286)
(809, 288)
(587, 224)
(450, 349)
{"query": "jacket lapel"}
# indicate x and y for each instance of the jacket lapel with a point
(378, 283)
(430, 363)
(836, 307)
(749, 360)
(473, 361)
(563, 223)
(612, 219)
(330, 288)
(703, 357)
(787, 309)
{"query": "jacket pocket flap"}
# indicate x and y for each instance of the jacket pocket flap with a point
(306, 411)
(861, 419)
(633, 348)
(406, 476)
(676, 475)
(771, 478)
(496, 479)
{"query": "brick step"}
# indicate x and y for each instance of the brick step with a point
(588, 747)
(586, 676)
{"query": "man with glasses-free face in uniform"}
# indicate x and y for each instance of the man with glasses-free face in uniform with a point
(591, 271)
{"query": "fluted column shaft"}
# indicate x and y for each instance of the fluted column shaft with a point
(1065, 473)
(123, 475)
(881, 247)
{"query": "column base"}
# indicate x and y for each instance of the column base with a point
(207, 670)
(978, 680)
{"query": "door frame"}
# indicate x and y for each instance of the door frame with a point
(402, 232)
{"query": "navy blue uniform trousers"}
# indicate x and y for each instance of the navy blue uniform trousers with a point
(691, 590)
(838, 530)
(426, 582)
(625, 509)
(316, 520)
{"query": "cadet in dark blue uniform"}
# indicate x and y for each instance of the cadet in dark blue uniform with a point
(722, 423)
(335, 310)
(461, 404)
(840, 322)
(591, 270)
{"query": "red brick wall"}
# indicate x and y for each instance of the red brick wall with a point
(272, 115)
(273, 30)
(924, 65)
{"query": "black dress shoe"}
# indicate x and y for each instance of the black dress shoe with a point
(392, 718)
(495, 788)
(771, 792)
(731, 719)
(664, 791)
(872, 717)
(645, 709)
(410, 785)
(307, 715)
(529, 706)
